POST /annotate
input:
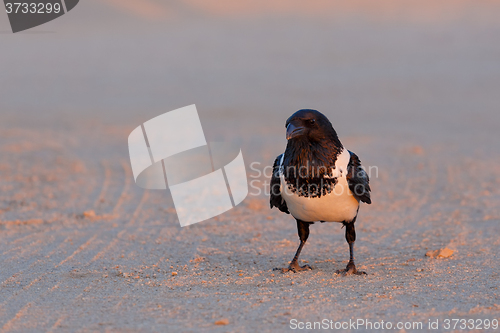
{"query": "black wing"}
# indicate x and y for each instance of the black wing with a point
(275, 198)
(358, 180)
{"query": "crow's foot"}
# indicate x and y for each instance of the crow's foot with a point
(294, 267)
(350, 270)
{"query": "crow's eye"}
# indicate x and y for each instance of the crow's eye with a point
(312, 121)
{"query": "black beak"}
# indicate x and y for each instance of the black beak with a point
(292, 131)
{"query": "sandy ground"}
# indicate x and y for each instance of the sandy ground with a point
(62, 270)
(84, 249)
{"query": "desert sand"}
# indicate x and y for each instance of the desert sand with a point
(414, 94)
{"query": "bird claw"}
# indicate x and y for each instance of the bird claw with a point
(350, 270)
(294, 267)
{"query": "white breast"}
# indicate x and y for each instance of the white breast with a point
(337, 206)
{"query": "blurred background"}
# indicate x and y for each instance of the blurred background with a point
(374, 68)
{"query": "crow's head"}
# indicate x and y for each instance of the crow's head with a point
(309, 125)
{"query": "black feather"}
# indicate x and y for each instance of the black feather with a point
(275, 198)
(310, 159)
(358, 180)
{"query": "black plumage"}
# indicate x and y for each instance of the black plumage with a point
(275, 195)
(358, 180)
(308, 175)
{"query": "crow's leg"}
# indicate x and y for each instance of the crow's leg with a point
(350, 237)
(303, 231)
